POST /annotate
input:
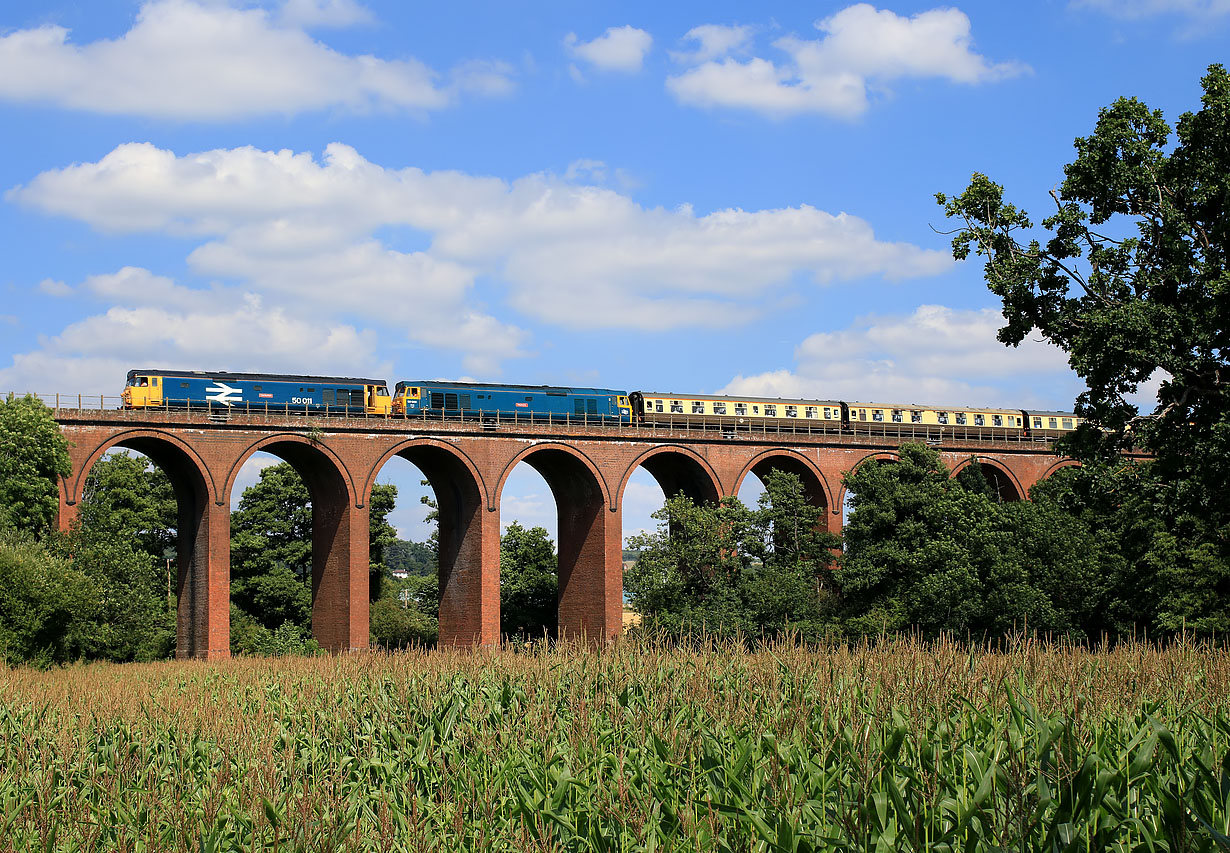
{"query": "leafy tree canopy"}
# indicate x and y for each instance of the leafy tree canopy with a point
(1131, 283)
(33, 457)
(529, 590)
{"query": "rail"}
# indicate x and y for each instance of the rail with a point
(731, 426)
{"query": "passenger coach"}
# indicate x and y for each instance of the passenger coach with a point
(472, 400)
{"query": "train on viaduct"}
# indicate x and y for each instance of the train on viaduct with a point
(586, 466)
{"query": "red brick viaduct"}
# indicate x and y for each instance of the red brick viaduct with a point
(586, 467)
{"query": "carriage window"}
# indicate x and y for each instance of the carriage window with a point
(915, 416)
(898, 417)
(677, 406)
(828, 413)
(1067, 423)
(1053, 423)
(770, 410)
(877, 414)
(942, 417)
(755, 410)
(961, 418)
(698, 407)
(811, 412)
(740, 408)
(1037, 423)
(980, 420)
(792, 411)
(657, 406)
(997, 420)
(862, 414)
(719, 408)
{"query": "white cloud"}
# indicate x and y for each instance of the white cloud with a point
(934, 356)
(207, 61)
(295, 228)
(862, 48)
(52, 287)
(324, 13)
(714, 41)
(618, 49)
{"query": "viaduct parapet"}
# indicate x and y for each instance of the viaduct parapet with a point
(467, 463)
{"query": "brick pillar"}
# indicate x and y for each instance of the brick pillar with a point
(203, 580)
(591, 574)
(340, 571)
(469, 567)
(67, 515)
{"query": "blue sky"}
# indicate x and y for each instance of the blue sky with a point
(697, 197)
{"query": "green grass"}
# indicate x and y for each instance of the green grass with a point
(902, 746)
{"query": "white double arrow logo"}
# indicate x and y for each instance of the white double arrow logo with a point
(225, 394)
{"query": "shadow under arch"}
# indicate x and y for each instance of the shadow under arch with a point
(590, 547)
(815, 485)
(1002, 481)
(341, 582)
(466, 581)
(678, 470)
(202, 573)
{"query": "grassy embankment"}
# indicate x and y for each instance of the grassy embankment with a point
(904, 746)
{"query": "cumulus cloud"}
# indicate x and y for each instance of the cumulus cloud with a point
(934, 356)
(304, 228)
(862, 49)
(184, 59)
(618, 49)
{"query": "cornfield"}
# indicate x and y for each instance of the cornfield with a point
(898, 745)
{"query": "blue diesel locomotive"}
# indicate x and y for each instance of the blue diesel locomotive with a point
(511, 402)
(183, 389)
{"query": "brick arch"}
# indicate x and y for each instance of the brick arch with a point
(1001, 471)
(686, 473)
(341, 582)
(141, 440)
(401, 449)
(589, 568)
(552, 447)
(1062, 463)
(293, 439)
(816, 487)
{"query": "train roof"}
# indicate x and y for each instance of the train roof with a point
(925, 407)
(276, 377)
(671, 395)
(500, 386)
(1051, 414)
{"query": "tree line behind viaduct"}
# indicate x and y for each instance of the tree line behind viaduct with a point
(586, 468)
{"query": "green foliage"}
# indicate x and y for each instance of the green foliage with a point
(413, 558)
(529, 589)
(397, 624)
(250, 638)
(1132, 283)
(938, 554)
(33, 456)
(724, 570)
(49, 609)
